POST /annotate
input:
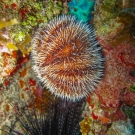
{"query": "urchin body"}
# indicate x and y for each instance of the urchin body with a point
(67, 58)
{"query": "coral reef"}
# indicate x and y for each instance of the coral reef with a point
(7, 64)
(129, 111)
(95, 120)
(19, 91)
(114, 98)
(119, 64)
(102, 120)
(69, 64)
(8, 45)
(82, 9)
(67, 58)
(121, 128)
(62, 118)
(128, 97)
(115, 21)
(65, 7)
(91, 127)
(29, 15)
(88, 126)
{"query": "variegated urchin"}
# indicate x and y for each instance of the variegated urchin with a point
(67, 58)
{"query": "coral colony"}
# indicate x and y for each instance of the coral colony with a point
(67, 67)
(67, 58)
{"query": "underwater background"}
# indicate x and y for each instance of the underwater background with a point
(67, 67)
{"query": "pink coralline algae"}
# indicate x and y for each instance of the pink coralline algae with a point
(128, 97)
(119, 66)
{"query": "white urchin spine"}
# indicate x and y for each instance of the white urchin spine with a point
(70, 61)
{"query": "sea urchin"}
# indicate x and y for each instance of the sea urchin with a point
(67, 58)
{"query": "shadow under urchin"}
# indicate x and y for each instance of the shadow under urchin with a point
(67, 58)
(60, 117)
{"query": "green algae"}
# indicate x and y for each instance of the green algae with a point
(30, 14)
